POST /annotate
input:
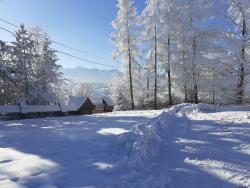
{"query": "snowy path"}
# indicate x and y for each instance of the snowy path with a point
(213, 152)
(63, 152)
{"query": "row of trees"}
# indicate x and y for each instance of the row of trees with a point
(182, 51)
(28, 69)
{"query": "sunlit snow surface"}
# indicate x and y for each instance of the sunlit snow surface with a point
(16, 166)
(114, 131)
(188, 146)
(77, 151)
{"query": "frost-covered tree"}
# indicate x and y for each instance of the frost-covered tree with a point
(204, 56)
(194, 18)
(5, 69)
(168, 14)
(48, 73)
(29, 70)
(150, 22)
(119, 93)
(23, 59)
(182, 68)
(84, 89)
(6, 78)
(237, 39)
(38, 36)
(125, 39)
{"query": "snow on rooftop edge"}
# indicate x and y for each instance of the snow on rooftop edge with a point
(75, 102)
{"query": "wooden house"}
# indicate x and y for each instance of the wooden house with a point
(79, 105)
(103, 105)
(108, 104)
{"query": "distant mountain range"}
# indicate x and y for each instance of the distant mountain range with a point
(81, 74)
(100, 80)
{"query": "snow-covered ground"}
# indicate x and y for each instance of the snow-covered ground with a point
(188, 146)
(77, 151)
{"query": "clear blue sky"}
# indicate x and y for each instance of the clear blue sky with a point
(82, 24)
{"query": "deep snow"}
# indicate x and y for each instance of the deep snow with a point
(188, 146)
(76, 151)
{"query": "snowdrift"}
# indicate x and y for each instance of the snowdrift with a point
(145, 146)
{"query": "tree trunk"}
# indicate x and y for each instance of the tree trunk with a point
(131, 81)
(213, 97)
(186, 94)
(242, 66)
(185, 74)
(148, 87)
(196, 99)
(26, 88)
(155, 93)
(130, 70)
(214, 87)
(169, 74)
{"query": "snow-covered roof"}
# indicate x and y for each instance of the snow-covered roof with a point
(10, 109)
(38, 108)
(97, 101)
(24, 108)
(75, 102)
(108, 101)
(100, 101)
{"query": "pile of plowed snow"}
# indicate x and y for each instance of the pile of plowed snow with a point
(146, 143)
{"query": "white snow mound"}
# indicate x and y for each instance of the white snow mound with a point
(145, 141)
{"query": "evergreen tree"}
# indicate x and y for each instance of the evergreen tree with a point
(48, 73)
(23, 59)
